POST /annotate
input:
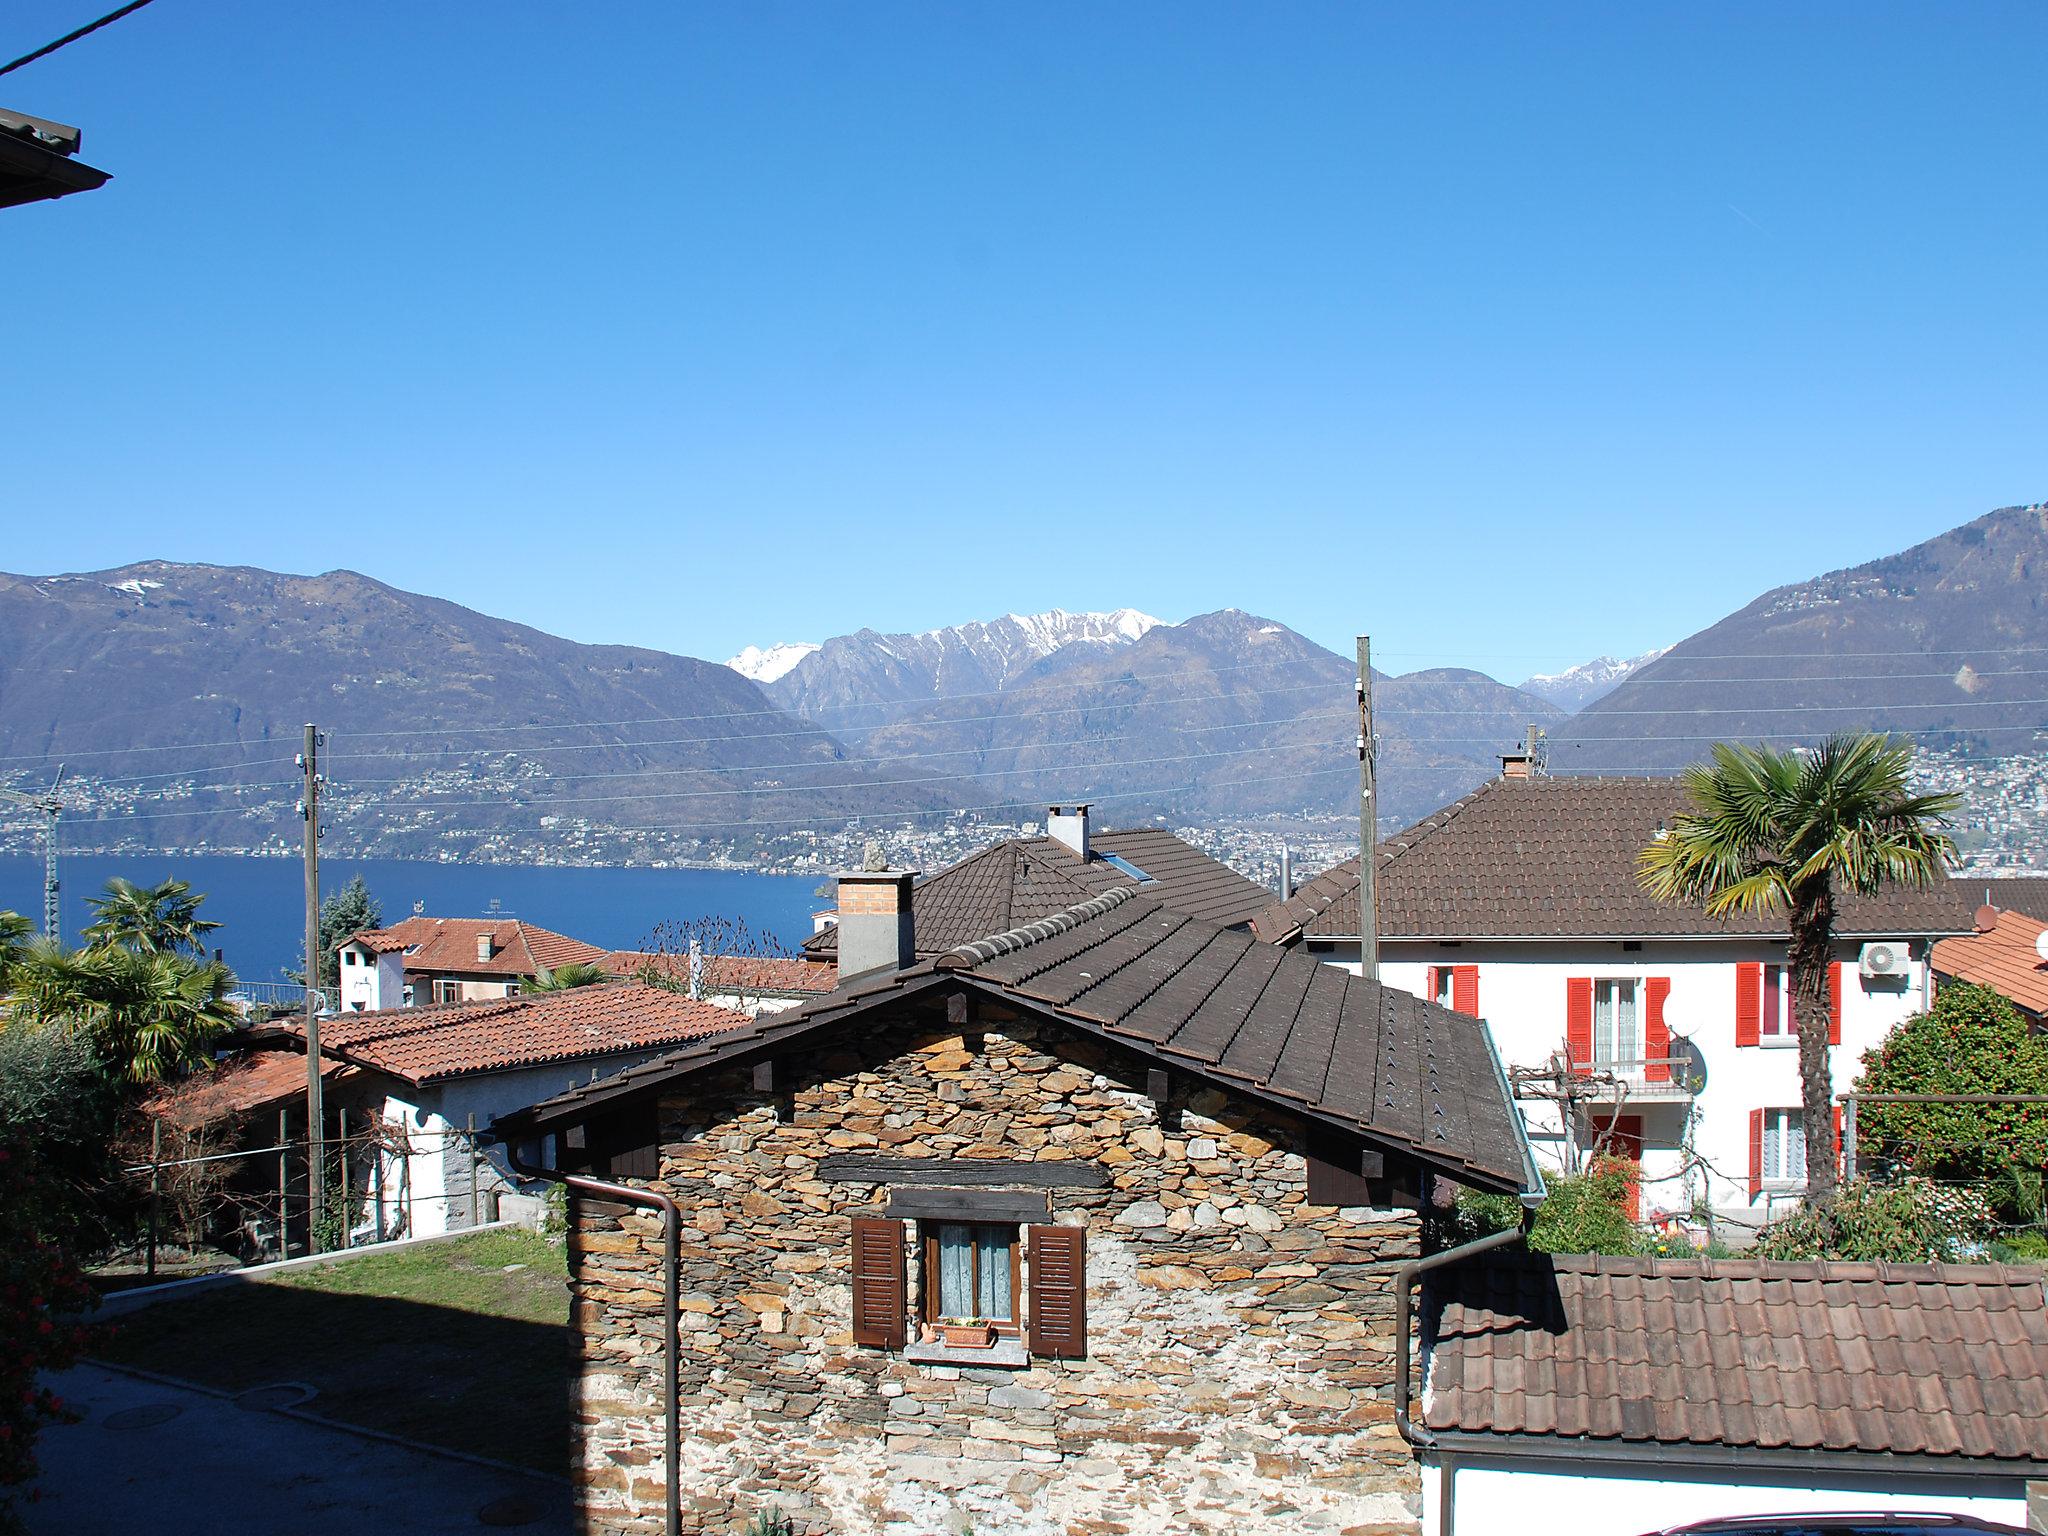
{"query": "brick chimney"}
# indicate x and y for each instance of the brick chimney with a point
(1068, 826)
(877, 929)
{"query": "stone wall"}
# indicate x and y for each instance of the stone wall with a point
(1240, 1343)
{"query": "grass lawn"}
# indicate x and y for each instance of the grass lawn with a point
(463, 1344)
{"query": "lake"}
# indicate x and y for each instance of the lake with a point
(260, 903)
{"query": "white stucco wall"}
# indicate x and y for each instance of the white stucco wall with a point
(370, 981)
(1592, 1499)
(1522, 996)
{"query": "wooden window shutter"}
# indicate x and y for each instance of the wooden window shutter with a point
(1058, 1261)
(1838, 1136)
(1749, 1002)
(880, 1299)
(1656, 1033)
(1465, 989)
(1578, 1022)
(1436, 983)
(1835, 969)
(1756, 1153)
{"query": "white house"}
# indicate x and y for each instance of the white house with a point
(1642, 1025)
(1606, 1397)
(431, 1076)
(424, 960)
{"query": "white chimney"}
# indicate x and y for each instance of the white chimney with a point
(877, 926)
(1286, 872)
(483, 945)
(1068, 826)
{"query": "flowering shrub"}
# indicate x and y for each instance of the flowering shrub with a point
(1912, 1221)
(42, 1294)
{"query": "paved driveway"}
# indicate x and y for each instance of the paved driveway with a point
(176, 1462)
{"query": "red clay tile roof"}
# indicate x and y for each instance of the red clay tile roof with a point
(1555, 858)
(238, 1086)
(1023, 879)
(1940, 1360)
(734, 973)
(1275, 1025)
(2003, 959)
(461, 1039)
(448, 944)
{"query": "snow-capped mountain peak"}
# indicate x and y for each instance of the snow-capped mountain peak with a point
(1576, 687)
(764, 664)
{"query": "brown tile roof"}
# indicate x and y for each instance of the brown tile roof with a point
(240, 1085)
(1274, 1024)
(424, 1045)
(2008, 893)
(1555, 858)
(2003, 959)
(1900, 1359)
(734, 973)
(447, 944)
(1024, 879)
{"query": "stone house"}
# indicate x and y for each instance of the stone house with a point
(1173, 1173)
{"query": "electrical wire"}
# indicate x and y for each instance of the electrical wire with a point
(71, 37)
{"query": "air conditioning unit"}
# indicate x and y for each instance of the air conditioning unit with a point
(1881, 960)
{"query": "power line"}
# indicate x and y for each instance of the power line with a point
(71, 37)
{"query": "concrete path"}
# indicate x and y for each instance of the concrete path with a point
(173, 1461)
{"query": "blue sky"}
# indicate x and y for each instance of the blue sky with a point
(1512, 334)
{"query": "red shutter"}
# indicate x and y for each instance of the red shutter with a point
(1058, 1286)
(1756, 1153)
(1435, 979)
(1656, 1033)
(1838, 1138)
(1578, 1022)
(879, 1293)
(1749, 1002)
(1835, 1003)
(1465, 989)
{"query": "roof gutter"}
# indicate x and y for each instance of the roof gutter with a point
(1405, 1279)
(671, 1329)
(1780, 1461)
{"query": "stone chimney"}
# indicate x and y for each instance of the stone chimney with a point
(1068, 825)
(1521, 763)
(877, 929)
(483, 945)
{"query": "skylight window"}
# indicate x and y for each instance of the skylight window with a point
(1118, 861)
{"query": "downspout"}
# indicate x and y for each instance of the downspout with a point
(671, 1331)
(1405, 1279)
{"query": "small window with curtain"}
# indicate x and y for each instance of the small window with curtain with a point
(971, 1273)
(1784, 1147)
(1617, 1032)
(1774, 1023)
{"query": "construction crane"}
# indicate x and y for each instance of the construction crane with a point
(48, 806)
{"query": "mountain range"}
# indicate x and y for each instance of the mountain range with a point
(175, 694)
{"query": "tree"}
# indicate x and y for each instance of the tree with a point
(1971, 1041)
(715, 951)
(43, 1293)
(146, 1014)
(1781, 832)
(15, 933)
(342, 916)
(151, 919)
(576, 973)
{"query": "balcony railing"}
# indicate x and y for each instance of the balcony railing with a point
(1641, 1077)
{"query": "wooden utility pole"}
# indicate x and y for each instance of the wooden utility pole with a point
(316, 1117)
(1368, 822)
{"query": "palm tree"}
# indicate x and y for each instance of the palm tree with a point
(1781, 832)
(148, 1015)
(15, 933)
(151, 919)
(577, 973)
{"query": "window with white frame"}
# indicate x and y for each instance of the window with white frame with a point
(1617, 1035)
(1775, 1022)
(1784, 1147)
(1445, 986)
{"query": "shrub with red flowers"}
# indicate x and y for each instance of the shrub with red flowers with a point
(1972, 1041)
(43, 1298)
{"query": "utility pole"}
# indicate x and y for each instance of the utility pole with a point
(47, 806)
(1368, 822)
(316, 1119)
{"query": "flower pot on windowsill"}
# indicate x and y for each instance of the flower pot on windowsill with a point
(975, 1335)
